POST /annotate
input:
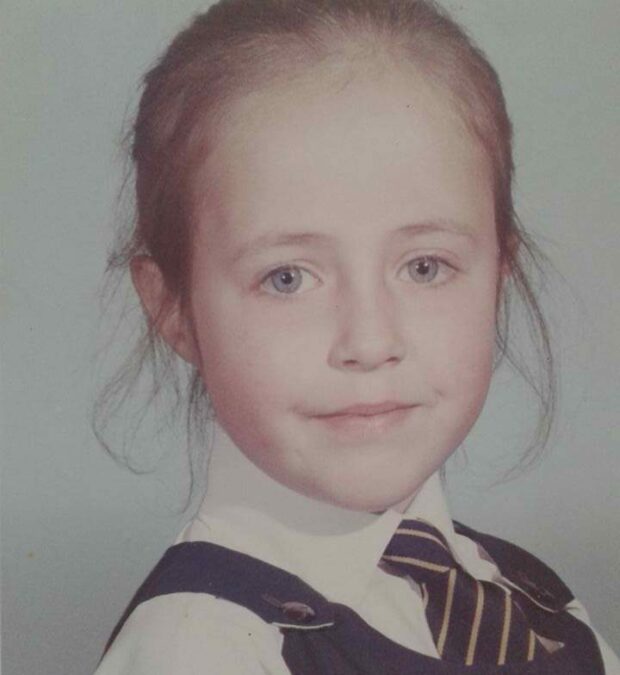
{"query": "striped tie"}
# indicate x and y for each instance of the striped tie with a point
(471, 621)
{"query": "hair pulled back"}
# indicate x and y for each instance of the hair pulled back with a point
(238, 46)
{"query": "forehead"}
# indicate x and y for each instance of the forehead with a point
(370, 148)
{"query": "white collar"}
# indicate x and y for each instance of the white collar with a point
(335, 550)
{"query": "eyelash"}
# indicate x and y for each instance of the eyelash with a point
(441, 263)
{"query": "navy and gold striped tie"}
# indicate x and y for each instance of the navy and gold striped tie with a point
(471, 621)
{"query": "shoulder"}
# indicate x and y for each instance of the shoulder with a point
(523, 569)
(180, 633)
(540, 583)
(204, 604)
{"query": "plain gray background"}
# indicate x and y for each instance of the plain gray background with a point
(80, 533)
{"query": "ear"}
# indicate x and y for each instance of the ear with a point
(506, 267)
(163, 308)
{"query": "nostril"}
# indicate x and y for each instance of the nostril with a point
(367, 345)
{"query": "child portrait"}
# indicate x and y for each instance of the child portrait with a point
(311, 338)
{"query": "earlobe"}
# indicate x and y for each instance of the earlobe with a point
(505, 272)
(513, 247)
(507, 260)
(162, 308)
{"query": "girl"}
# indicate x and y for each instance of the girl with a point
(325, 233)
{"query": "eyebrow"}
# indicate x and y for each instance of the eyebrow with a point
(446, 225)
(274, 240)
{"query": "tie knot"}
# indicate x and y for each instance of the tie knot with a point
(419, 549)
(471, 621)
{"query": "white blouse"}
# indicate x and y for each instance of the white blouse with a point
(334, 550)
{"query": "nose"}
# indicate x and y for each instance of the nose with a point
(369, 334)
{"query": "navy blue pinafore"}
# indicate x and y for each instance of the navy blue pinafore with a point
(327, 638)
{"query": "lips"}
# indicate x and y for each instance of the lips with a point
(367, 409)
(365, 422)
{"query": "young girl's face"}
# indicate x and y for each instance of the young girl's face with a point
(343, 283)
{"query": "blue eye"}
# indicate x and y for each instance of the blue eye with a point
(424, 269)
(285, 279)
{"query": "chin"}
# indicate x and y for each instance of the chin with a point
(376, 500)
(378, 485)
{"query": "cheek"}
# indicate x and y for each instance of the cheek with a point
(249, 357)
(459, 350)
